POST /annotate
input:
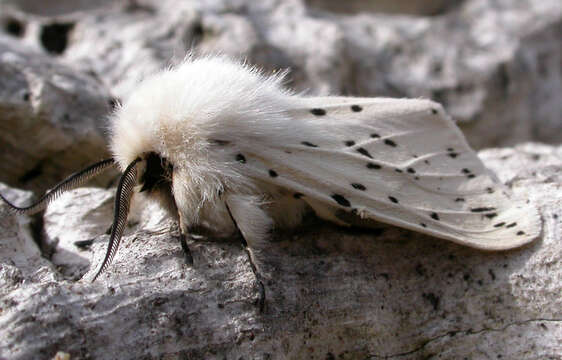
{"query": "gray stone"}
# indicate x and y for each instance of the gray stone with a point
(20, 258)
(51, 119)
(81, 215)
(413, 7)
(494, 65)
(78, 215)
(331, 292)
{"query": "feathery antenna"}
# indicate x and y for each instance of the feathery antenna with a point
(125, 188)
(69, 183)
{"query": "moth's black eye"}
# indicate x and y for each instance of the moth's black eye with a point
(158, 171)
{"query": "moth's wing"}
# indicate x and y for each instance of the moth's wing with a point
(398, 161)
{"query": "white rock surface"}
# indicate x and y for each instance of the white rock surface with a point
(78, 215)
(20, 258)
(495, 65)
(333, 293)
(86, 213)
(52, 119)
(413, 7)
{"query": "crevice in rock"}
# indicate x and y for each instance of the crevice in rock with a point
(54, 37)
(134, 6)
(14, 27)
(414, 7)
(465, 332)
(196, 33)
(31, 174)
(38, 234)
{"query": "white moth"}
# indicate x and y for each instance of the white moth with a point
(225, 148)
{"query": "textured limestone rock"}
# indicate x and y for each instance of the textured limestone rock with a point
(68, 220)
(83, 214)
(331, 293)
(52, 119)
(413, 7)
(494, 65)
(20, 258)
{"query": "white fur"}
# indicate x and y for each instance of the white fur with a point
(181, 112)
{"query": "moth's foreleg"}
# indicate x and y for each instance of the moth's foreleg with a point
(183, 236)
(254, 225)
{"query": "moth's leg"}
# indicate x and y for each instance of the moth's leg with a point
(254, 225)
(183, 235)
(169, 199)
(326, 212)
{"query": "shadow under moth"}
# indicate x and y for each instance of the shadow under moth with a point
(225, 148)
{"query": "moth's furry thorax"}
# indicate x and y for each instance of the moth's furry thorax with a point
(179, 114)
(176, 112)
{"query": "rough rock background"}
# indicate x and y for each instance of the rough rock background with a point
(334, 293)
(51, 118)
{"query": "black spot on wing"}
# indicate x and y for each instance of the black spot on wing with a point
(341, 200)
(309, 144)
(471, 176)
(318, 112)
(390, 143)
(511, 225)
(375, 135)
(398, 170)
(349, 143)
(356, 108)
(520, 233)
(423, 225)
(482, 209)
(499, 224)
(489, 190)
(465, 171)
(241, 158)
(220, 142)
(373, 166)
(298, 195)
(364, 152)
(393, 199)
(459, 199)
(434, 111)
(411, 170)
(273, 173)
(359, 186)
(435, 216)
(453, 154)
(491, 215)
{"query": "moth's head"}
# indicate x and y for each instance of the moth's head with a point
(154, 173)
